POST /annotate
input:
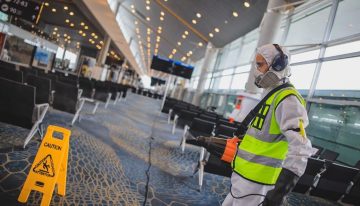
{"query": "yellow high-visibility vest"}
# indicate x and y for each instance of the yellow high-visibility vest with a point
(263, 149)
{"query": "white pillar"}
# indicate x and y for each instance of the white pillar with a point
(103, 52)
(269, 27)
(122, 72)
(209, 55)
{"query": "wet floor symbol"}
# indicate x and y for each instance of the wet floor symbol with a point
(45, 167)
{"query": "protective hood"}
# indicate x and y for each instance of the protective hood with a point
(271, 77)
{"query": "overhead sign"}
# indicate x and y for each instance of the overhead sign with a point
(24, 9)
(49, 166)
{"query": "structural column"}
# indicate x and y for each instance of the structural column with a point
(122, 72)
(103, 52)
(269, 27)
(209, 54)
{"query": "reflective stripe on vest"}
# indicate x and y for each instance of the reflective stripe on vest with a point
(263, 149)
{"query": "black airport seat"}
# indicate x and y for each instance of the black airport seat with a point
(17, 107)
(215, 165)
(28, 71)
(102, 91)
(176, 110)
(313, 167)
(329, 155)
(12, 74)
(224, 131)
(320, 149)
(168, 105)
(87, 87)
(334, 182)
(199, 127)
(353, 197)
(53, 77)
(7, 65)
(66, 97)
(43, 88)
(124, 89)
(186, 117)
(207, 117)
(68, 80)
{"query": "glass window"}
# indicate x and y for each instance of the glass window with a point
(224, 82)
(343, 49)
(239, 81)
(301, 75)
(207, 83)
(305, 56)
(247, 52)
(347, 19)
(340, 74)
(305, 21)
(244, 68)
(227, 72)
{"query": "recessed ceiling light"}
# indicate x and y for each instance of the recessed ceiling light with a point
(179, 43)
(82, 23)
(183, 36)
(147, 2)
(84, 34)
(217, 30)
(55, 28)
(162, 13)
(147, 7)
(136, 22)
(101, 42)
(186, 33)
(67, 20)
(54, 33)
(72, 24)
(246, 4)
(132, 6)
(86, 27)
(53, 10)
(161, 18)
(65, 35)
(133, 10)
(66, 8)
(198, 15)
(46, 4)
(147, 18)
(194, 21)
(71, 13)
(200, 44)
(170, 56)
(235, 14)
(211, 35)
(92, 34)
(80, 31)
(190, 52)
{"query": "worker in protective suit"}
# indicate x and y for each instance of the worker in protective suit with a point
(274, 151)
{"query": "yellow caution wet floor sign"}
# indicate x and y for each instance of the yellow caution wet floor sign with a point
(49, 167)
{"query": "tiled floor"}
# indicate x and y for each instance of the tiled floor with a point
(109, 161)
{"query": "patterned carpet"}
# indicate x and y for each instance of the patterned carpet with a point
(109, 161)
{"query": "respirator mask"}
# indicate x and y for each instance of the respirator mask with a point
(278, 66)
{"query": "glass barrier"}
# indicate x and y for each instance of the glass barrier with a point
(337, 128)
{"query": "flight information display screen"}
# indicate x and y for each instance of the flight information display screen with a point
(172, 67)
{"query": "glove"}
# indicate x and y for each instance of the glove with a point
(285, 183)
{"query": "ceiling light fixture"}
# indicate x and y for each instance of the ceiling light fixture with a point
(66, 8)
(247, 3)
(147, 18)
(186, 33)
(194, 21)
(217, 30)
(72, 24)
(162, 13)
(235, 14)
(55, 28)
(136, 22)
(211, 35)
(147, 2)
(71, 13)
(183, 36)
(198, 15)
(46, 4)
(86, 27)
(132, 6)
(53, 10)
(200, 44)
(67, 20)
(179, 43)
(147, 7)
(161, 18)
(80, 31)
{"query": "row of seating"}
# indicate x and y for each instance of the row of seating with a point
(146, 93)
(323, 177)
(27, 93)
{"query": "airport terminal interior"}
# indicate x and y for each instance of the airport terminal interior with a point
(102, 102)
